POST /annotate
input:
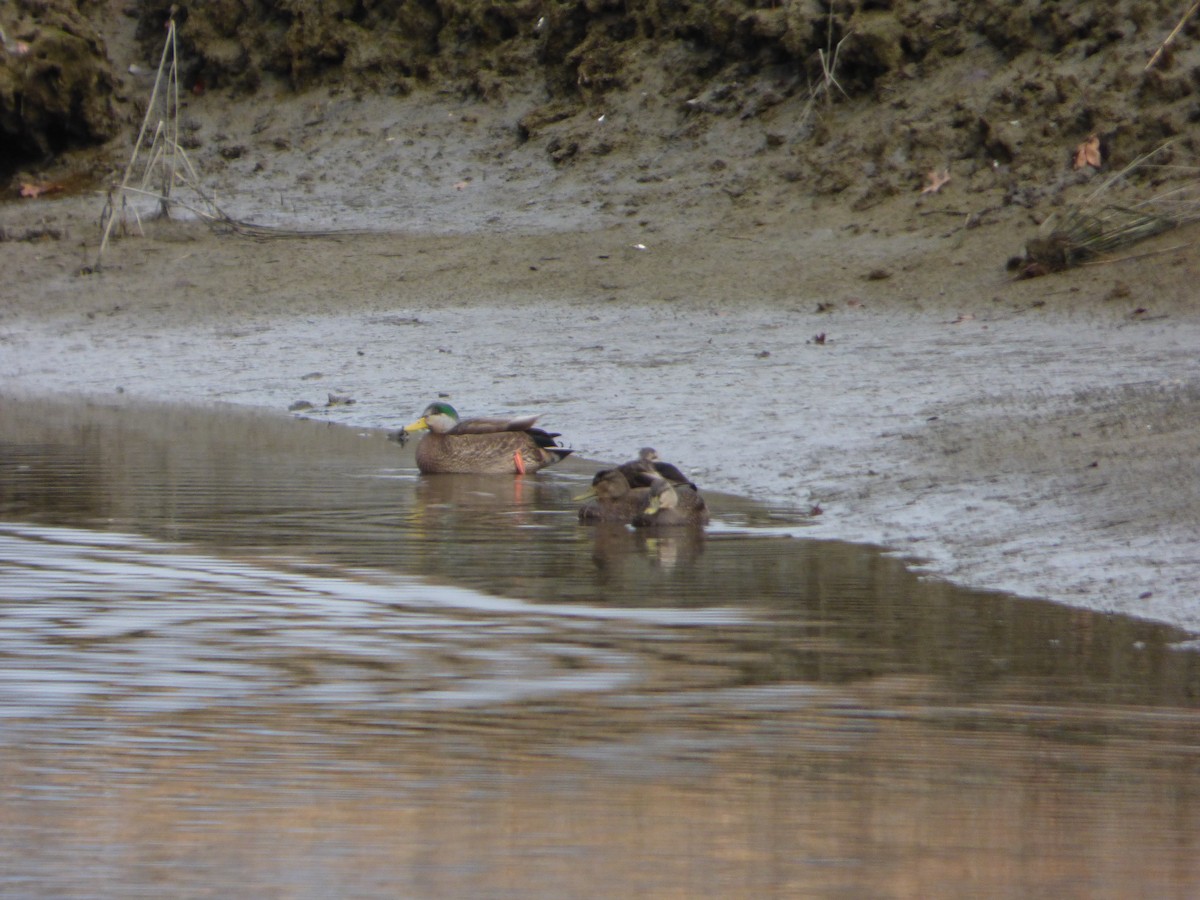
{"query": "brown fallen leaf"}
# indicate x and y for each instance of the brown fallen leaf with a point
(38, 190)
(935, 179)
(1088, 153)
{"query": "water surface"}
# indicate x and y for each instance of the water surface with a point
(246, 656)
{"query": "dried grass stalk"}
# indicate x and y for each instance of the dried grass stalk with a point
(167, 170)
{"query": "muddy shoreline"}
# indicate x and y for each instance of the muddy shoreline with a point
(786, 315)
(1017, 436)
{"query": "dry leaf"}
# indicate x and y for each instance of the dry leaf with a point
(1088, 153)
(934, 180)
(37, 190)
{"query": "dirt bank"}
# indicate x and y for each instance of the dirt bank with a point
(694, 278)
(848, 100)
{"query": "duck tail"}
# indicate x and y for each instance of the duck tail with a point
(545, 439)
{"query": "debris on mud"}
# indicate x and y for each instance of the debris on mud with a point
(1100, 224)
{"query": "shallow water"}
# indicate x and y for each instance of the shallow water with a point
(260, 657)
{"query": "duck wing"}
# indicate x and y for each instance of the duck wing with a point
(672, 474)
(644, 473)
(493, 425)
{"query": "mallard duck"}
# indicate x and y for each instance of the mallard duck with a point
(647, 466)
(672, 504)
(612, 499)
(487, 445)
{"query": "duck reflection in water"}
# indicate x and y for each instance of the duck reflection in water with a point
(477, 501)
(622, 553)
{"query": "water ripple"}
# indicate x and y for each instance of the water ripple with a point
(151, 627)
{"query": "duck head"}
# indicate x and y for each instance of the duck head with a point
(608, 485)
(438, 417)
(662, 496)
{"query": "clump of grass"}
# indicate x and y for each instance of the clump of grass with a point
(1086, 231)
(1079, 235)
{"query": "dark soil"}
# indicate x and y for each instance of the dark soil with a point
(57, 84)
(857, 99)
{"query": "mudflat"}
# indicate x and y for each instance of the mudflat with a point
(856, 346)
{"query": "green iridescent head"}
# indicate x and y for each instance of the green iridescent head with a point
(438, 417)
